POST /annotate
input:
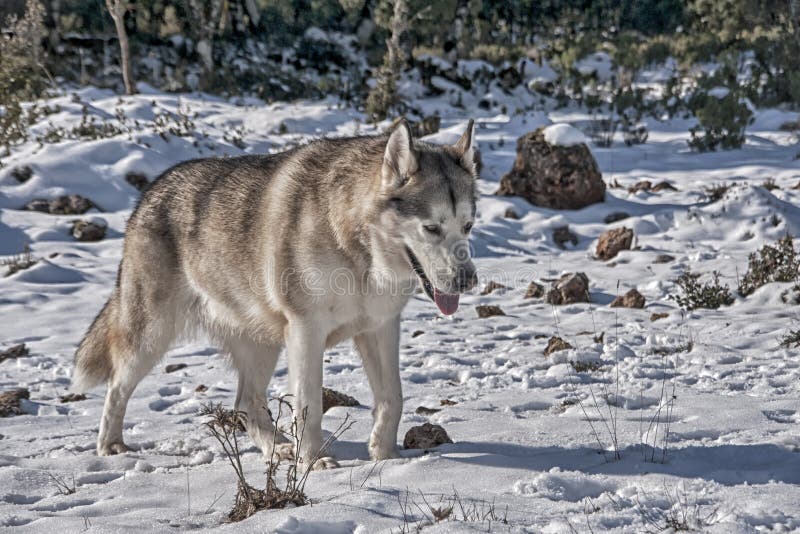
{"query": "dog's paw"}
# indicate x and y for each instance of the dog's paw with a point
(383, 453)
(325, 463)
(283, 452)
(111, 449)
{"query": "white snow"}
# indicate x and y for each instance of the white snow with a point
(525, 427)
(719, 92)
(598, 64)
(563, 135)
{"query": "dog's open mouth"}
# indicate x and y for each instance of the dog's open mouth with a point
(446, 302)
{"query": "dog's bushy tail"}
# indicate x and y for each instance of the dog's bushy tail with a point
(93, 359)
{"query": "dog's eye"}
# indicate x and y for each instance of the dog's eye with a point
(433, 229)
(467, 227)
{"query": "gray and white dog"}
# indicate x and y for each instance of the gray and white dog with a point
(302, 249)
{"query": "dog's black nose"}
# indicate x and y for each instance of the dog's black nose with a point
(467, 277)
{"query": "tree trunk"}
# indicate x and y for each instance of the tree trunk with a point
(117, 10)
(252, 12)
(396, 45)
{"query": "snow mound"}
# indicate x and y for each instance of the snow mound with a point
(292, 525)
(45, 272)
(558, 485)
(563, 135)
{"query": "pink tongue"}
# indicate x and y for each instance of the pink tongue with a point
(447, 303)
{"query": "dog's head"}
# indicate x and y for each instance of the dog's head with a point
(429, 192)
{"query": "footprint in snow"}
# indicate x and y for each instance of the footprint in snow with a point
(782, 416)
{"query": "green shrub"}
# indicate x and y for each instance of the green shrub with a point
(778, 263)
(497, 54)
(630, 106)
(22, 73)
(710, 295)
(722, 121)
(19, 262)
(791, 339)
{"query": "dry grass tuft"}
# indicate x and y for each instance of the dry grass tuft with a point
(224, 425)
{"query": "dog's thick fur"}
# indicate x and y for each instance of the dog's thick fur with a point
(301, 249)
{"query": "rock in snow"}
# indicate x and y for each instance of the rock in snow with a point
(426, 436)
(11, 400)
(570, 288)
(631, 299)
(332, 398)
(612, 241)
(553, 176)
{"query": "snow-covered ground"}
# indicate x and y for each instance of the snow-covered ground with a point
(525, 427)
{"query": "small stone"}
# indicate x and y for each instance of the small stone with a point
(511, 214)
(663, 258)
(657, 316)
(491, 286)
(664, 186)
(37, 204)
(612, 241)
(14, 352)
(570, 288)
(616, 216)
(10, 401)
(72, 397)
(535, 291)
(332, 398)
(424, 410)
(171, 368)
(563, 235)
(64, 205)
(88, 231)
(644, 185)
(417, 333)
(202, 388)
(488, 310)
(556, 344)
(137, 180)
(426, 436)
(631, 299)
(447, 402)
(22, 174)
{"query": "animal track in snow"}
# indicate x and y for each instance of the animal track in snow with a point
(782, 416)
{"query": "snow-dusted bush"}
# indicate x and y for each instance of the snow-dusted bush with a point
(772, 263)
(721, 111)
(22, 73)
(709, 295)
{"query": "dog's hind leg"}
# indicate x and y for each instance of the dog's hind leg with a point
(137, 326)
(138, 339)
(379, 351)
(255, 363)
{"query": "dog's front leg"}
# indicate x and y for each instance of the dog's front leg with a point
(380, 350)
(304, 348)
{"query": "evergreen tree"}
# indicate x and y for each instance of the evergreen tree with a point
(383, 96)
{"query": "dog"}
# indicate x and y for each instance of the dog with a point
(300, 249)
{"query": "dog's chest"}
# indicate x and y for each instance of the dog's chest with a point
(353, 314)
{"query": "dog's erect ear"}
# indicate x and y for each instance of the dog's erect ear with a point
(399, 160)
(463, 149)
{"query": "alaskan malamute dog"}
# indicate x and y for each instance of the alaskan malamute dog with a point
(302, 249)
